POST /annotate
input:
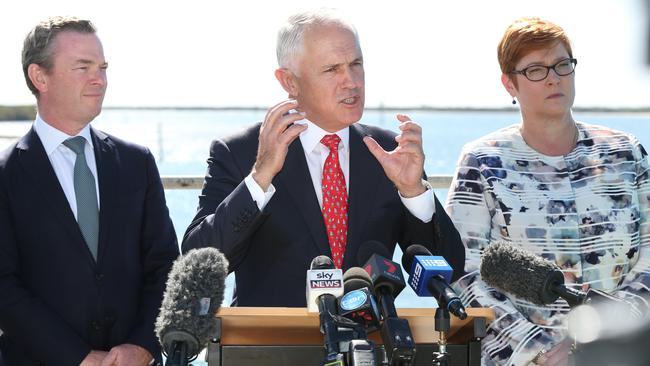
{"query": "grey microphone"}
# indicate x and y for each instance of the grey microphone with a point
(194, 293)
(530, 277)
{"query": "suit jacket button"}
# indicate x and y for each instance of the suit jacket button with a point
(99, 276)
(96, 325)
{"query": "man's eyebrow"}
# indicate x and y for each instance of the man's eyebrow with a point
(329, 66)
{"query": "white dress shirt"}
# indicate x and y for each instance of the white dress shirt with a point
(421, 206)
(62, 158)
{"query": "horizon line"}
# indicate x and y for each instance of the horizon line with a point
(370, 108)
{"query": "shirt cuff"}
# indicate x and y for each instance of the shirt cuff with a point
(421, 206)
(260, 197)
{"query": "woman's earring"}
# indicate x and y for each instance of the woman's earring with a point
(514, 101)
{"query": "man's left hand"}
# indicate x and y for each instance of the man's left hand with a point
(404, 166)
(127, 355)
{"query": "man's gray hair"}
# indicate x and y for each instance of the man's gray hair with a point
(290, 36)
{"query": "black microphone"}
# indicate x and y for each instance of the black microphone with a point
(532, 278)
(358, 301)
(187, 319)
(429, 276)
(324, 284)
(388, 282)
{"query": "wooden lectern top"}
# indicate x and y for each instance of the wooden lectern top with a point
(295, 326)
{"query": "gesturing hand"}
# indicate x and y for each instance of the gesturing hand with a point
(404, 166)
(276, 134)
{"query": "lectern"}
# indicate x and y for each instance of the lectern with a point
(291, 336)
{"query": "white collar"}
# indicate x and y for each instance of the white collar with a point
(310, 138)
(51, 138)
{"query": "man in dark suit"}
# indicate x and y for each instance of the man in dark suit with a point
(86, 241)
(281, 193)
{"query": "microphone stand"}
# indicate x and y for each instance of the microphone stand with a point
(442, 326)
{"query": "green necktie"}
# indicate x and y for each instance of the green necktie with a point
(86, 195)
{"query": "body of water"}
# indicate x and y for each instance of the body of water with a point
(180, 141)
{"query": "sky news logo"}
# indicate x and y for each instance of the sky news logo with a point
(316, 284)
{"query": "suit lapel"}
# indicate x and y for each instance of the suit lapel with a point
(296, 179)
(36, 163)
(107, 173)
(365, 175)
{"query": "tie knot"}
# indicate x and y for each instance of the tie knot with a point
(76, 144)
(331, 141)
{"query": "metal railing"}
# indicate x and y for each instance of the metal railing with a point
(196, 182)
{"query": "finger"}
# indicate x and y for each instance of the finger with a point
(110, 359)
(278, 110)
(375, 149)
(410, 126)
(409, 148)
(291, 133)
(409, 136)
(284, 122)
(403, 117)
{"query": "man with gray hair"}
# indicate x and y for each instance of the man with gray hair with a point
(311, 181)
(86, 241)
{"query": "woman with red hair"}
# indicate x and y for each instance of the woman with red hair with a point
(574, 193)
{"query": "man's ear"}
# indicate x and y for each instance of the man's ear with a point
(509, 85)
(288, 81)
(38, 76)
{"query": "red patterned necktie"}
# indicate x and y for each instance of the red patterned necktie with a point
(335, 200)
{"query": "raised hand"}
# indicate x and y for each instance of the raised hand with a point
(404, 166)
(276, 134)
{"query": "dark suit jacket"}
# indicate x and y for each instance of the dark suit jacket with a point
(56, 302)
(271, 250)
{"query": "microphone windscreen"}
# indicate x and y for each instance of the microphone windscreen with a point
(321, 262)
(518, 272)
(369, 248)
(355, 278)
(194, 293)
(410, 253)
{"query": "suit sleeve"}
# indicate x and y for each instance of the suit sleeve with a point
(30, 323)
(227, 214)
(512, 338)
(159, 249)
(439, 236)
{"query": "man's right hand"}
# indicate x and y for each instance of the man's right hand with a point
(276, 134)
(94, 358)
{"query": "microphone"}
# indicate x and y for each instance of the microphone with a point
(430, 276)
(388, 282)
(358, 302)
(532, 278)
(324, 284)
(194, 293)
(322, 278)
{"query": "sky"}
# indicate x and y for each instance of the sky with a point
(432, 53)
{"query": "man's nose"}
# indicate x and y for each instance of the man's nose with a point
(351, 78)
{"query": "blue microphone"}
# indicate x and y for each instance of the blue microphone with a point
(430, 276)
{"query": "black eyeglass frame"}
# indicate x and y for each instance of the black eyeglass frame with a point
(548, 69)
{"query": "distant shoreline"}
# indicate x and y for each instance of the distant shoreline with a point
(393, 108)
(28, 113)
